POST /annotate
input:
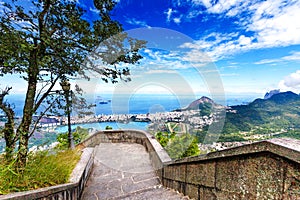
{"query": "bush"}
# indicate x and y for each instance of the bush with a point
(178, 146)
(43, 169)
(79, 135)
(183, 146)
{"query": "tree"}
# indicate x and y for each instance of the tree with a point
(178, 146)
(182, 146)
(79, 135)
(54, 42)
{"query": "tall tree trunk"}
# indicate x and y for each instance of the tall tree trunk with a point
(28, 111)
(10, 140)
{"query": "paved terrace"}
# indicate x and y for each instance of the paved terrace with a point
(131, 164)
(124, 171)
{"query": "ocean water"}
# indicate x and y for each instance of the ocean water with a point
(136, 104)
(118, 104)
(130, 104)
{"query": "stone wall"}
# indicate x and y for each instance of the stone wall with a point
(156, 152)
(263, 170)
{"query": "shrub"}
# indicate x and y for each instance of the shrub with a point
(178, 146)
(43, 169)
(79, 135)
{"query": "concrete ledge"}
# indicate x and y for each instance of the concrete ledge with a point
(285, 147)
(264, 170)
(71, 191)
(157, 153)
(128, 136)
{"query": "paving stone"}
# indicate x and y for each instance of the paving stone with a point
(124, 171)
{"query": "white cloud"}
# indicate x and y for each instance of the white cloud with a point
(134, 21)
(94, 10)
(177, 20)
(243, 40)
(169, 14)
(223, 6)
(268, 24)
(294, 56)
(276, 23)
(197, 56)
(290, 82)
(161, 72)
(205, 3)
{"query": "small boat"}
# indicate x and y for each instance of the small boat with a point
(102, 101)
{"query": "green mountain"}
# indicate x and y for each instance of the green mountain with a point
(205, 106)
(279, 112)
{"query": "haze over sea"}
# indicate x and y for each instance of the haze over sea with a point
(120, 104)
(137, 104)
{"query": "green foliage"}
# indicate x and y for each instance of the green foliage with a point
(108, 128)
(205, 109)
(42, 170)
(53, 43)
(182, 146)
(231, 138)
(164, 137)
(290, 134)
(79, 135)
(262, 116)
(178, 146)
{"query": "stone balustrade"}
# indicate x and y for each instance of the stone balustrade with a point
(263, 170)
(157, 154)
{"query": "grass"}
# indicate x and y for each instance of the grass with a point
(43, 169)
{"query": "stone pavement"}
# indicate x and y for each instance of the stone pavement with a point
(124, 171)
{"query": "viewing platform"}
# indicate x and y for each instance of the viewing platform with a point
(131, 164)
(124, 171)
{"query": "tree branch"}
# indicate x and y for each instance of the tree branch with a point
(40, 117)
(5, 106)
(40, 101)
(7, 109)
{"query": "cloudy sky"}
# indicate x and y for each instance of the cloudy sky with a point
(210, 46)
(254, 44)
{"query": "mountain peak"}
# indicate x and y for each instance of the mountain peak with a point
(271, 93)
(283, 97)
(203, 100)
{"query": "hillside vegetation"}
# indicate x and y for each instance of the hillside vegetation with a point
(277, 116)
(278, 113)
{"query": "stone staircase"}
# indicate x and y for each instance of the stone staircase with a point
(158, 193)
(124, 171)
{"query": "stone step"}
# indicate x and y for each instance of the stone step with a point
(124, 171)
(156, 193)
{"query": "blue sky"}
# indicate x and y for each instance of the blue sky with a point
(233, 47)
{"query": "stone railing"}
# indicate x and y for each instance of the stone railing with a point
(156, 152)
(264, 170)
(70, 191)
